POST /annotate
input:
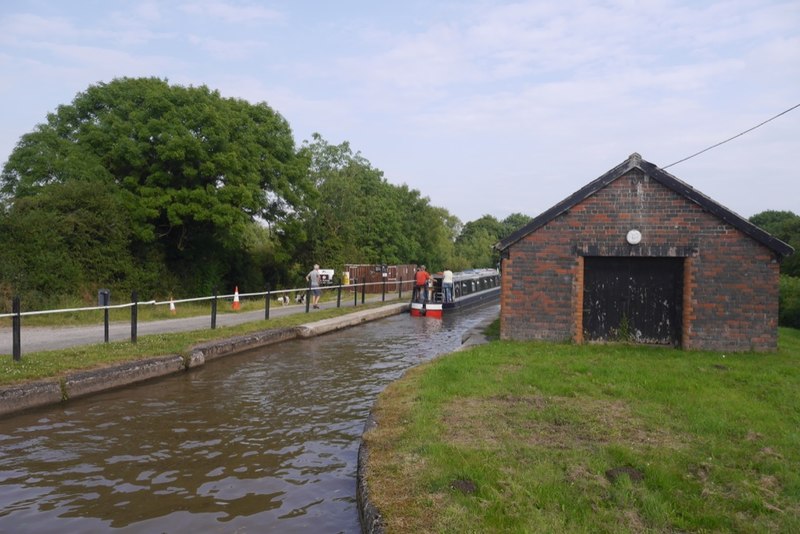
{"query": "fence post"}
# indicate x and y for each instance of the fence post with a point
(134, 315)
(363, 289)
(400, 289)
(339, 294)
(16, 324)
(214, 310)
(266, 304)
(308, 295)
(355, 293)
(105, 316)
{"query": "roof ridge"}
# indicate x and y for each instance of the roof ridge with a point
(635, 161)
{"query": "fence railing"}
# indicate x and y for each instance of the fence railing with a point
(355, 287)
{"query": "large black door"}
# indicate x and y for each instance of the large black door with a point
(635, 299)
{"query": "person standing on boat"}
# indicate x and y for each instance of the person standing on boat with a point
(313, 279)
(421, 284)
(447, 285)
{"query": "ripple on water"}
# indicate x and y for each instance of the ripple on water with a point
(262, 441)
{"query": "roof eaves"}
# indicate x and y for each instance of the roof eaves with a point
(565, 205)
(717, 209)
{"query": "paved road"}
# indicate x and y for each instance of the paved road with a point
(38, 338)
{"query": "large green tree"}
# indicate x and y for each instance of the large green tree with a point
(362, 218)
(191, 170)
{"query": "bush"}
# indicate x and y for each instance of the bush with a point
(789, 314)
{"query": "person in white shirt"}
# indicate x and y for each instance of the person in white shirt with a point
(313, 279)
(447, 285)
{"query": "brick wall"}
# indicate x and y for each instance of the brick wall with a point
(730, 282)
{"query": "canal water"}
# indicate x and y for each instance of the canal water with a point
(264, 441)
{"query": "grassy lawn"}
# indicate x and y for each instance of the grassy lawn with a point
(38, 365)
(537, 437)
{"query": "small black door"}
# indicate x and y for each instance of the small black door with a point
(633, 299)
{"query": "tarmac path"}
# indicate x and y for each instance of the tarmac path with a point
(42, 338)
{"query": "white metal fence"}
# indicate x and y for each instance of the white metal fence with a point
(357, 290)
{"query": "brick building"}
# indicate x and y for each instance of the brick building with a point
(639, 255)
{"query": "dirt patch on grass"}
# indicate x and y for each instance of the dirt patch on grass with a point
(633, 474)
(467, 487)
(553, 422)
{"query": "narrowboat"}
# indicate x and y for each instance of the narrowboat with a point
(470, 288)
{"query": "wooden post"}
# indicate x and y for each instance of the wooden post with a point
(214, 310)
(134, 315)
(16, 322)
(266, 304)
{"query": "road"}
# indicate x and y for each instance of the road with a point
(40, 338)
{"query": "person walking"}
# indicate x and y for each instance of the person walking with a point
(313, 279)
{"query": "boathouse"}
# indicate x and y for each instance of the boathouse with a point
(639, 255)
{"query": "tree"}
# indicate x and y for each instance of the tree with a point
(476, 241)
(784, 225)
(70, 239)
(474, 245)
(362, 218)
(192, 170)
(512, 223)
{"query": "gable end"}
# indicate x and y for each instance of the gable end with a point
(652, 171)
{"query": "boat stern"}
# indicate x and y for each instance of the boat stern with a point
(430, 309)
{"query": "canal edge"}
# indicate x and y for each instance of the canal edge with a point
(16, 398)
(368, 514)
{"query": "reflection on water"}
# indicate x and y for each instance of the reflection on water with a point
(265, 441)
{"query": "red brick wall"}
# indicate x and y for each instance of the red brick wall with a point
(730, 283)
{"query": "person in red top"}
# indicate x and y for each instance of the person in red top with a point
(421, 284)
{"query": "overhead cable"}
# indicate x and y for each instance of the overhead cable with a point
(734, 137)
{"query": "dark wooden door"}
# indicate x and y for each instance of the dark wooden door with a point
(633, 299)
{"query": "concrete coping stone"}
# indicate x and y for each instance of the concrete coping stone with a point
(351, 319)
(20, 397)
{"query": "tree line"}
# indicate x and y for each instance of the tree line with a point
(785, 225)
(174, 190)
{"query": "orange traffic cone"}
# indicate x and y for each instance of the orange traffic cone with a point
(172, 306)
(236, 298)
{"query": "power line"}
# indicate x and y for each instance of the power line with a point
(734, 137)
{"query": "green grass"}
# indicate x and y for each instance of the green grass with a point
(531, 431)
(48, 364)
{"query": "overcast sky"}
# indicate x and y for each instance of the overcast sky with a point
(485, 107)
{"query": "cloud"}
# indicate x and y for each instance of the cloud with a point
(227, 49)
(536, 97)
(16, 28)
(232, 13)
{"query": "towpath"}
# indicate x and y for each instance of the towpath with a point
(40, 338)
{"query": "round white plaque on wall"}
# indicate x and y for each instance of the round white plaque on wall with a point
(633, 237)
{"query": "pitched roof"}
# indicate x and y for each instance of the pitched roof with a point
(635, 161)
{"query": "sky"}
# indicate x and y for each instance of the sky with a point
(485, 107)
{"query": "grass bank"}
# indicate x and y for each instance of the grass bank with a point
(39, 365)
(538, 437)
